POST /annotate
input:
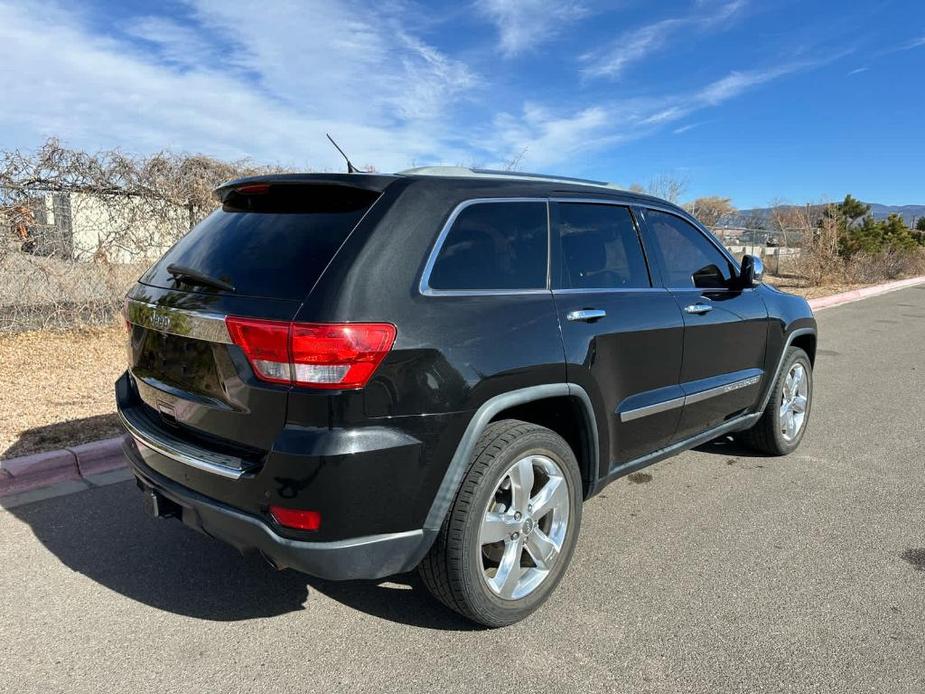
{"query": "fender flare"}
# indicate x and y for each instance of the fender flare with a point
(456, 470)
(780, 363)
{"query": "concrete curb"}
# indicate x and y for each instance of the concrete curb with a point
(29, 472)
(833, 300)
(95, 459)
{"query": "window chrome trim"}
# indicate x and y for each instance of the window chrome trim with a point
(690, 399)
(198, 325)
(424, 286)
(610, 290)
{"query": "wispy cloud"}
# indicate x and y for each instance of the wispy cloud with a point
(686, 128)
(858, 71)
(285, 75)
(914, 43)
(525, 24)
(631, 47)
(553, 136)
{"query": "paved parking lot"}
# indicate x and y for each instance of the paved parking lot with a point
(714, 571)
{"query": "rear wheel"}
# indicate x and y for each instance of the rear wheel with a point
(781, 427)
(511, 530)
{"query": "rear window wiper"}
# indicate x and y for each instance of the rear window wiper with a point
(192, 276)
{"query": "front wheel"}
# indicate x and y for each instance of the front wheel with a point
(512, 528)
(781, 427)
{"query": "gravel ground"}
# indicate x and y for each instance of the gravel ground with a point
(715, 571)
(58, 388)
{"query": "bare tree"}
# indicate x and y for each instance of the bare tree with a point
(710, 210)
(668, 187)
(514, 162)
(793, 222)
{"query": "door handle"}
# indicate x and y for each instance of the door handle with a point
(698, 308)
(586, 314)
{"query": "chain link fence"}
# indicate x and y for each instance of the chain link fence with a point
(77, 229)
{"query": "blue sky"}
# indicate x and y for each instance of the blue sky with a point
(756, 100)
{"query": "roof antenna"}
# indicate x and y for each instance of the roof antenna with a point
(350, 167)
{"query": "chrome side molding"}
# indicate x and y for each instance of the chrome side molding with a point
(665, 405)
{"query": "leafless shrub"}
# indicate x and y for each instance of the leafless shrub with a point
(820, 261)
(889, 264)
(76, 228)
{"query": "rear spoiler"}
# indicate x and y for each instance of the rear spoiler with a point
(368, 182)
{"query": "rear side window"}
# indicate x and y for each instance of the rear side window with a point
(599, 248)
(686, 256)
(494, 246)
(275, 243)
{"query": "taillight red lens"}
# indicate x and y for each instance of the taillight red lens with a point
(296, 518)
(266, 345)
(338, 355)
(320, 355)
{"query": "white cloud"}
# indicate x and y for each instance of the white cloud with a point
(267, 85)
(633, 46)
(284, 77)
(525, 24)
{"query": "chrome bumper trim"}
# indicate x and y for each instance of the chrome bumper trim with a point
(216, 463)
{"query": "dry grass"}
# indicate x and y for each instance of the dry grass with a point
(58, 388)
(797, 285)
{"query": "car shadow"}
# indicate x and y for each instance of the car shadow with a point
(104, 534)
(65, 434)
(731, 447)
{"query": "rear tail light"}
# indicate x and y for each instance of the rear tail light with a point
(321, 355)
(296, 518)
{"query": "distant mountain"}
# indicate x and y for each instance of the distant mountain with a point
(909, 213)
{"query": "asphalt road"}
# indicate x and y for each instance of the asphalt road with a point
(722, 571)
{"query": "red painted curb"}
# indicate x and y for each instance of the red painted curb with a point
(99, 456)
(30, 472)
(39, 470)
(833, 300)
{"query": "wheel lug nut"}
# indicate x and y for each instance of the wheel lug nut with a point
(517, 516)
(515, 535)
(529, 507)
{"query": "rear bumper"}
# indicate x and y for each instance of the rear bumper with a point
(369, 557)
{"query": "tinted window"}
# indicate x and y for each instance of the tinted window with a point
(687, 257)
(274, 244)
(496, 245)
(599, 248)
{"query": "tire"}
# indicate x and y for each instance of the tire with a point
(769, 434)
(465, 573)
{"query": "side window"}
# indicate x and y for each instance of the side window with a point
(687, 258)
(599, 248)
(494, 245)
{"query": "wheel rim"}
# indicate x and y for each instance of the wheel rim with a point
(794, 402)
(524, 527)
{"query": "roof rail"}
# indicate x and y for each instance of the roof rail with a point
(466, 172)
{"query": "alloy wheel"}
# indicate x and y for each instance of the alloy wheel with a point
(794, 402)
(524, 527)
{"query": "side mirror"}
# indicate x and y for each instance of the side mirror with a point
(752, 271)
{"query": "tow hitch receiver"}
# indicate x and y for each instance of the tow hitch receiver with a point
(158, 506)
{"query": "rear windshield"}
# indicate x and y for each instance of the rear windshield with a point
(274, 243)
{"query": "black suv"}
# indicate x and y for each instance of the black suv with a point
(359, 374)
